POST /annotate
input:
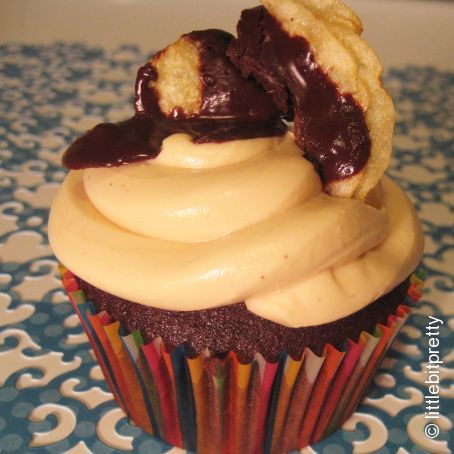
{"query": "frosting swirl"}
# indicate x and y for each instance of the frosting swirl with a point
(205, 225)
(195, 193)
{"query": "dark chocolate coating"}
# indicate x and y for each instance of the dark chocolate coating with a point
(232, 108)
(138, 139)
(329, 126)
(224, 92)
(234, 328)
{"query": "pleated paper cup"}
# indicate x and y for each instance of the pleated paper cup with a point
(210, 405)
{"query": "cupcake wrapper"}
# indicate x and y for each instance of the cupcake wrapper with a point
(212, 405)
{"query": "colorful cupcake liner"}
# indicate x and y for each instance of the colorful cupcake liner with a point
(212, 405)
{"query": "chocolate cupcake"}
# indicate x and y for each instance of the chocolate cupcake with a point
(239, 282)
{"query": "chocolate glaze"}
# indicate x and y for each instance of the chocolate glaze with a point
(137, 139)
(224, 92)
(232, 108)
(329, 126)
(234, 328)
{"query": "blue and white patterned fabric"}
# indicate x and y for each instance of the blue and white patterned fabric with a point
(53, 397)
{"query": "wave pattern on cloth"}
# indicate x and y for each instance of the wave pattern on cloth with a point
(53, 396)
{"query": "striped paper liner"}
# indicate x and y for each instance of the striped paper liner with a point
(212, 405)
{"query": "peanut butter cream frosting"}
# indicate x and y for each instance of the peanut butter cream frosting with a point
(204, 225)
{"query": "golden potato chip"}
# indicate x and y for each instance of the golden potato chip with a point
(195, 78)
(178, 83)
(333, 33)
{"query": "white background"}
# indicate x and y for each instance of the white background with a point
(401, 31)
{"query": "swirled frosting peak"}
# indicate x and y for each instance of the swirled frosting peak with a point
(194, 193)
(251, 226)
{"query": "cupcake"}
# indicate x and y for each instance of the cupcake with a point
(240, 279)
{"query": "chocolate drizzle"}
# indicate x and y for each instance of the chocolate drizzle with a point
(329, 126)
(138, 139)
(232, 108)
(224, 92)
(146, 100)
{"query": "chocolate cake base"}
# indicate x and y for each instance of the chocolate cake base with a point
(235, 328)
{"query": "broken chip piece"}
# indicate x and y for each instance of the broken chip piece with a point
(310, 57)
(193, 77)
